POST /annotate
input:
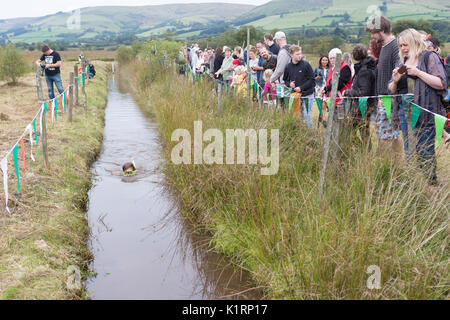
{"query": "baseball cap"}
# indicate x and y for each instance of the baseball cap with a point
(279, 35)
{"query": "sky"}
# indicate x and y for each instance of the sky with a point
(33, 8)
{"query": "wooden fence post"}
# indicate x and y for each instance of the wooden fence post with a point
(249, 74)
(71, 87)
(83, 85)
(219, 98)
(75, 72)
(332, 107)
(44, 117)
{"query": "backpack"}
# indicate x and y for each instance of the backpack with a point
(444, 101)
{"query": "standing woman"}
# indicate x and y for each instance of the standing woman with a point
(226, 70)
(430, 82)
(218, 60)
(321, 73)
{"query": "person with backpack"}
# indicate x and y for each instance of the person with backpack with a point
(363, 85)
(283, 59)
(430, 84)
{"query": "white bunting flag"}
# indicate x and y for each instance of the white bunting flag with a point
(30, 130)
(4, 166)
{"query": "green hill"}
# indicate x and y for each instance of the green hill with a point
(210, 19)
(295, 14)
(101, 22)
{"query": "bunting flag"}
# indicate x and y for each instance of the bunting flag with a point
(61, 104)
(22, 149)
(65, 100)
(329, 102)
(363, 106)
(53, 110)
(16, 167)
(387, 102)
(307, 103)
(415, 113)
(35, 135)
(291, 101)
(82, 79)
(30, 132)
(268, 97)
(319, 105)
(4, 166)
(439, 122)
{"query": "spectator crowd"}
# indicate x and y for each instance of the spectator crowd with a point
(407, 67)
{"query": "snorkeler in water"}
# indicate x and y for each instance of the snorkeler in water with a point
(129, 168)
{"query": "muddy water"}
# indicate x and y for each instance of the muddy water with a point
(142, 247)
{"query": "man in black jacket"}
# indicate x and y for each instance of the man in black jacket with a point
(300, 77)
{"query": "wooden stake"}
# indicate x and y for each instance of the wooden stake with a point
(75, 72)
(44, 125)
(332, 107)
(71, 89)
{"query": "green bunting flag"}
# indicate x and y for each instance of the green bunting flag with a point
(415, 113)
(82, 79)
(363, 106)
(306, 100)
(268, 97)
(65, 100)
(387, 102)
(329, 102)
(319, 105)
(439, 122)
(291, 101)
(35, 134)
(16, 166)
(55, 106)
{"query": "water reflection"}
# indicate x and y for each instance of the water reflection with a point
(142, 246)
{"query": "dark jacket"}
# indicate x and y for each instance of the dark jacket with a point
(218, 64)
(303, 76)
(274, 48)
(363, 85)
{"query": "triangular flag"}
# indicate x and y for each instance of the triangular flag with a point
(319, 105)
(61, 104)
(35, 133)
(268, 96)
(16, 167)
(415, 113)
(387, 102)
(439, 122)
(65, 100)
(307, 104)
(329, 102)
(291, 101)
(55, 107)
(30, 132)
(4, 166)
(363, 106)
(53, 110)
(22, 148)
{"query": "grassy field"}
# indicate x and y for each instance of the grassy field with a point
(375, 210)
(48, 231)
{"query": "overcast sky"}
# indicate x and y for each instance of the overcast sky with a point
(33, 8)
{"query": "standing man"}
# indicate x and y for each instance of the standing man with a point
(271, 46)
(53, 63)
(282, 61)
(300, 77)
(381, 30)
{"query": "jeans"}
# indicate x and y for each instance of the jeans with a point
(58, 82)
(306, 109)
(426, 136)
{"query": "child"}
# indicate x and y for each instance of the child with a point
(239, 80)
(268, 88)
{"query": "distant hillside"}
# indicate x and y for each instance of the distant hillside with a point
(296, 14)
(209, 19)
(101, 22)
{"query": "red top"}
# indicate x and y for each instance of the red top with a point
(348, 85)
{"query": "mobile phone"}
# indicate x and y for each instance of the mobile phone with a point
(402, 69)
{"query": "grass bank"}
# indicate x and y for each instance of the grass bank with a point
(375, 211)
(48, 231)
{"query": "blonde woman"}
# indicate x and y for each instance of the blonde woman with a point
(430, 81)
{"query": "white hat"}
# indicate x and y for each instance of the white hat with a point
(279, 35)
